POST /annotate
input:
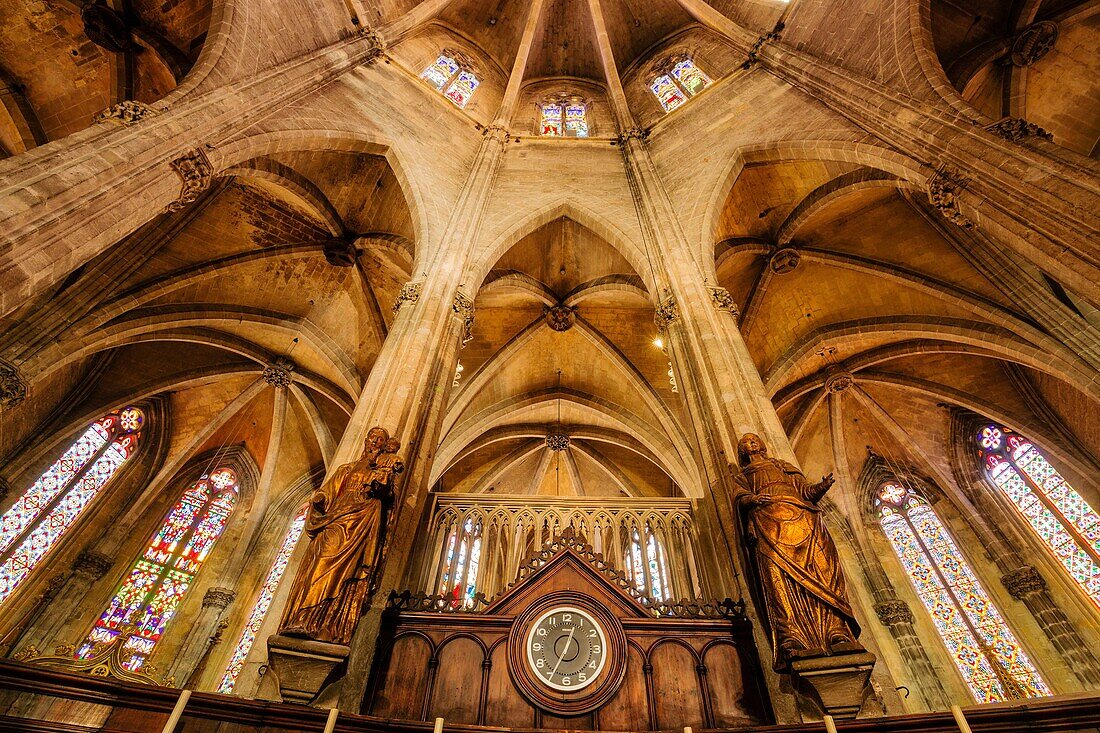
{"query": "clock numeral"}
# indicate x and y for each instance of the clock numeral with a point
(537, 647)
(542, 632)
(595, 648)
(540, 663)
(566, 617)
(549, 673)
(565, 681)
(592, 664)
(592, 634)
(582, 677)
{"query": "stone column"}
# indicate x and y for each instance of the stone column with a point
(202, 636)
(66, 605)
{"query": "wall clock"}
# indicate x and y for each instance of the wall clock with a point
(567, 653)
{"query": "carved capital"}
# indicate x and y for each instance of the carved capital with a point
(13, 389)
(1022, 582)
(722, 300)
(838, 382)
(557, 441)
(1016, 129)
(279, 373)
(634, 133)
(463, 309)
(895, 611)
(667, 313)
(561, 317)
(376, 47)
(340, 251)
(410, 293)
(498, 133)
(784, 260)
(758, 46)
(944, 188)
(196, 174)
(1033, 43)
(92, 564)
(127, 112)
(218, 597)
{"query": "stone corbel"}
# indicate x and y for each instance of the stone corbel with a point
(463, 309)
(279, 373)
(196, 175)
(91, 564)
(944, 188)
(13, 389)
(723, 301)
(1015, 129)
(894, 611)
(667, 313)
(377, 44)
(410, 293)
(1033, 43)
(1022, 582)
(758, 46)
(126, 113)
(634, 133)
(499, 133)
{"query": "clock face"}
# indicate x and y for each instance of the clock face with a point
(566, 648)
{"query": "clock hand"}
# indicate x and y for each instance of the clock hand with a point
(555, 670)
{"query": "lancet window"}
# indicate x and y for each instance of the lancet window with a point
(987, 654)
(561, 117)
(1062, 519)
(461, 562)
(679, 80)
(263, 603)
(48, 509)
(453, 77)
(647, 565)
(158, 581)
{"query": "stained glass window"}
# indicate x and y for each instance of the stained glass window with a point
(647, 566)
(682, 81)
(551, 120)
(1062, 519)
(263, 603)
(984, 649)
(150, 595)
(459, 579)
(576, 120)
(439, 73)
(450, 77)
(462, 88)
(49, 508)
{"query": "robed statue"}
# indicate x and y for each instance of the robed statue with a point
(346, 526)
(796, 562)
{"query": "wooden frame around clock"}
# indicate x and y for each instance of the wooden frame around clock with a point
(560, 702)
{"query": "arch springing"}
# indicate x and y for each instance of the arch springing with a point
(1060, 517)
(49, 508)
(450, 75)
(150, 595)
(263, 603)
(678, 80)
(987, 654)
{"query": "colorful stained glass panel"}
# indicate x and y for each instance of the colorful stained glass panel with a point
(690, 76)
(551, 120)
(576, 120)
(439, 73)
(667, 93)
(462, 88)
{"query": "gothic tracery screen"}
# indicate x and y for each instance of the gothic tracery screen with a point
(1060, 517)
(263, 603)
(150, 595)
(987, 654)
(49, 508)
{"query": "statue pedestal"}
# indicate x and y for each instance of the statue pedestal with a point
(836, 683)
(302, 666)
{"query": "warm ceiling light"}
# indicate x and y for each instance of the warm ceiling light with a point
(659, 342)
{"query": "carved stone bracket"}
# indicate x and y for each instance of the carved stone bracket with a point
(499, 133)
(1015, 129)
(218, 597)
(838, 382)
(196, 174)
(784, 260)
(5, 488)
(561, 317)
(1022, 582)
(667, 313)
(894, 611)
(944, 188)
(279, 373)
(13, 389)
(463, 309)
(634, 133)
(758, 46)
(557, 441)
(127, 112)
(92, 564)
(723, 301)
(1033, 43)
(410, 293)
(377, 47)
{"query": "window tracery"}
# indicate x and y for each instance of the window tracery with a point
(49, 508)
(677, 80)
(647, 566)
(263, 603)
(459, 571)
(563, 117)
(150, 595)
(452, 76)
(984, 649)
(1059, 516)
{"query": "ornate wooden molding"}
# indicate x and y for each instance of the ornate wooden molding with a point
(409, 601)
(106, 661)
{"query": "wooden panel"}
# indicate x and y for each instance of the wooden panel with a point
(506, 707)
(676, 687)
(580, 722)
(402, 692)
(456, 694)
(628, 710)
(726, 686)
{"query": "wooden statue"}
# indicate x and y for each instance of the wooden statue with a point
(347, 530)
(796, 562)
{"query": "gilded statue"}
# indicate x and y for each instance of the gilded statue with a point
(796, 562)
(346, 526)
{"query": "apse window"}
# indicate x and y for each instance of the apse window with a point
(679, 79)
(564, 119)
(453, 77)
